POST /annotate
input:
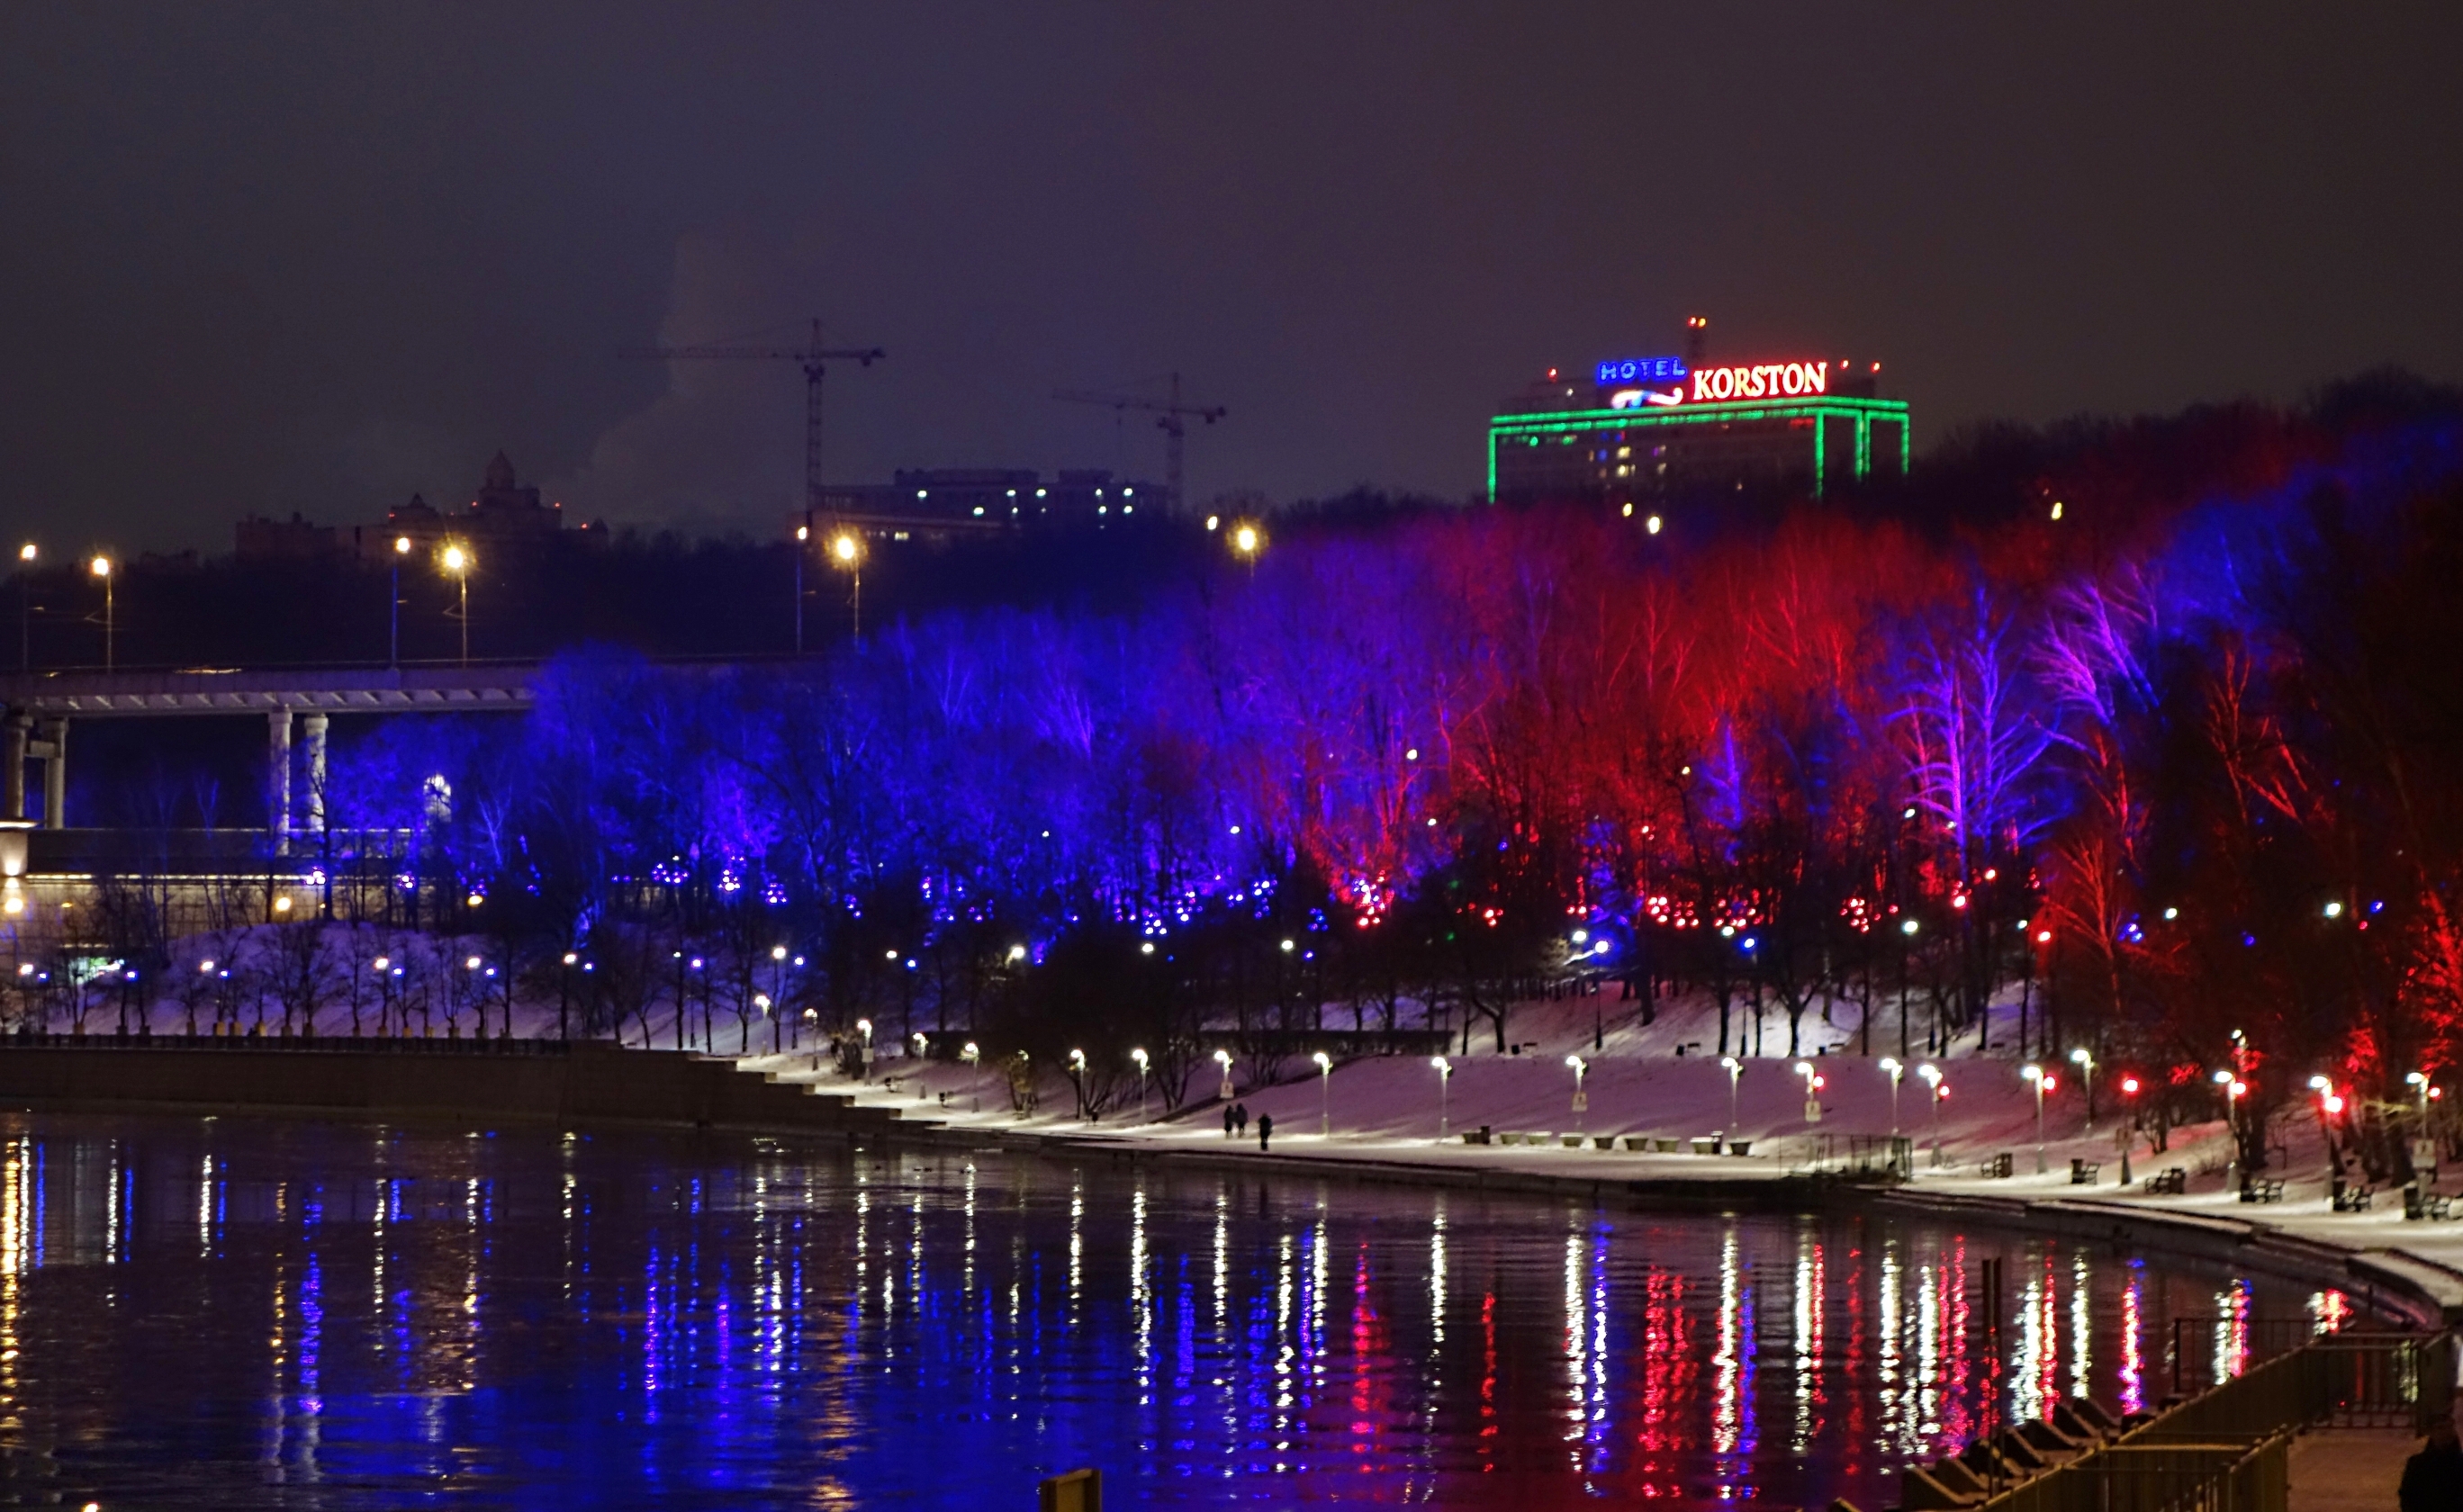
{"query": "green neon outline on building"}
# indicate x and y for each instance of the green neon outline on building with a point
(1863, 411)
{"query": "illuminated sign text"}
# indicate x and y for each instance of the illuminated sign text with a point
(1642, 370)
(1762, 381)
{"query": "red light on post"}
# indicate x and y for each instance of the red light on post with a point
(2129, 1085)
(2334, 1102)
(2051, 1082)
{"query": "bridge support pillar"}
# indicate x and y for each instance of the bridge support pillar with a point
(277, 779)
(311, 737)
(19, 732)
(54, 748)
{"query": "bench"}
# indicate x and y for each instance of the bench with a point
(2082, 1172)
(2352, 1198)
(1997, 1168)
(2172, 1182)
(2264, 1191)
(2418, 1205)
(1706, 1146)
(1740, 1147)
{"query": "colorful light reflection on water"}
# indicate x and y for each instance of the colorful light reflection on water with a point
(230, 1312)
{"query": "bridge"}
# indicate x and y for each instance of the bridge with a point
(40, 706)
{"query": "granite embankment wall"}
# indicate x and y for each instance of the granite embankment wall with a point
(584, 1084)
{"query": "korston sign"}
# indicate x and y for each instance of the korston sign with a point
(1761, 381)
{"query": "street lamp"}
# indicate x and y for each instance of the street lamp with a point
(1812, 1091)
(846, 550)
(1937, 1089)
(393, 604)
(101, 567)
(2084, 1060)
(1077, 1079)
(1582, 1098)
(1445, 1089)
(1324, 1094)
(2036, 1074)
(1891, 1063)
(1248, 540)
(1735, 1068)
(2129, 1135)
(456, 559)
(26, 556)
(864, 1027)
(1140, 1056)
(1223, 1058)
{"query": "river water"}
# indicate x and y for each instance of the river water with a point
(229, 1313)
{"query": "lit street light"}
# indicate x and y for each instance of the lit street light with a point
(2084, 1060)
(1223, 1058)
(1140, 1056)
(1324, 1094)
(1445, 1089)
(2042, 1082)
(1582, 1098)
(846, 550)
(456, 559)
(1077, 1079)
(1735, 1068)
(26, 556)
(393, 604)
(101, 567)
(1891, 1063)
(1938, 1089)
(2129, 1135)
(1812, 1092)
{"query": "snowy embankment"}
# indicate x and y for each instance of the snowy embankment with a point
(1385, 1110)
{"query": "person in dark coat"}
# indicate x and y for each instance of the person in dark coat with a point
(1240, 1117)
(1227, 1122)
(1266, 1131)
(2432, 1479)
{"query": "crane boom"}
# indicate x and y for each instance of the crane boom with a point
(815, 358)
(1171, 419)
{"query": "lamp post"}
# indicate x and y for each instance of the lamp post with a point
(457, 560)
(393, 604)
(847, 551)
(1891, 1063)
(1248, 541)
(1445, 1089)
(2129, 1130)
(1223, 1059)
(970, 1055)
(864, 1027)
(564, 997)
(1582, 1098)
(1324, 1094)
(1813, 1084)
(2233, 1112)
(2084, 1060)
(26, 556)
(2036, 1074)
(1735, 1068)
(1935, 1091)
(1077, 1079)
(101, 567)
(1140, 1056)
(803, 538)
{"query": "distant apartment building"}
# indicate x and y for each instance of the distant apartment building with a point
(1645, 430)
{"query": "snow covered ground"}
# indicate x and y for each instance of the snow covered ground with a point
(1386, 1109)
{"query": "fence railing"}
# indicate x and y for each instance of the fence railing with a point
(2227, 1449)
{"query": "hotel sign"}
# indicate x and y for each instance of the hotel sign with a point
(1663, 382)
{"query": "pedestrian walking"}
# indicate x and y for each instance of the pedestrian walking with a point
(1265, 1130)
(1227, 1123)
(2433, 1477)
(1240, 1115)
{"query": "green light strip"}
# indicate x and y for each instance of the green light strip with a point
(1692, 415)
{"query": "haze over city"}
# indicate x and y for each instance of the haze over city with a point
(314, 258)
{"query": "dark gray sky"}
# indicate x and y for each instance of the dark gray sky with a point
(261, 257)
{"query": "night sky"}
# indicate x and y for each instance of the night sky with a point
(266, 258)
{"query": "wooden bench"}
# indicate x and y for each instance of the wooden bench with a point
(1999, 1167)
(2265, 1191)
(2353, 1199)
(2419, 1205)
(2082, 1172)
(2172, 1182)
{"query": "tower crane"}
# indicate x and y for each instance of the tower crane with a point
(814, 356)
(1171, 418)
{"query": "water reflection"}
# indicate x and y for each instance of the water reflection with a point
(224, 1312)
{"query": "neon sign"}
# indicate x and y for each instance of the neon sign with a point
(1641, 370)
(1761, 381)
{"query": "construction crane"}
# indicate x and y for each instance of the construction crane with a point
(815, 358)
(1171, 418)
